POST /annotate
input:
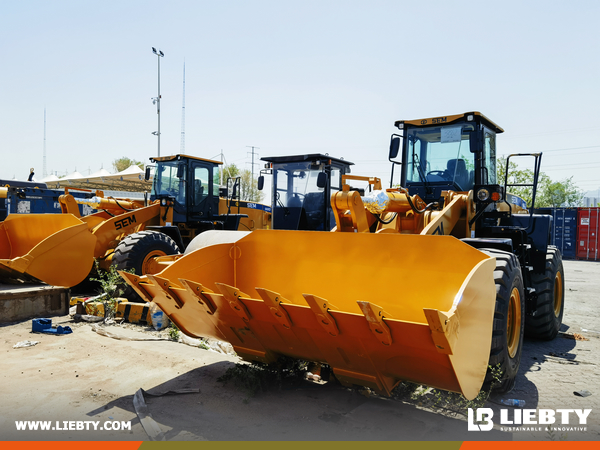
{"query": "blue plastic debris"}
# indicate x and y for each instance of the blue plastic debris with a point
(45, 326)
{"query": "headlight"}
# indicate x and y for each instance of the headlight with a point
(483, 194)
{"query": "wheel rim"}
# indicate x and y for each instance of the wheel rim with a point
(148, 263)
(513, 332)
(558, 294)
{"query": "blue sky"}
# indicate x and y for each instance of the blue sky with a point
(294, 77)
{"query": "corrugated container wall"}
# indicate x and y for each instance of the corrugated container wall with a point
(564, 229)
(587, 234)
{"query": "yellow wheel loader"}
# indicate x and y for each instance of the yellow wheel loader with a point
(186, 200)
(431, 282)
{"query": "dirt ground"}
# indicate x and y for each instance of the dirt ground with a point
(87, 377)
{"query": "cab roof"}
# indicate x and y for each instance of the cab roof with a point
(180, 157)
(313, 157)
(473, 116)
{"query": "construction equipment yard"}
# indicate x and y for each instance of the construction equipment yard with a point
(85, 378)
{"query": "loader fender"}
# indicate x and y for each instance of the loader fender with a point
(213, 237)
(377, 308)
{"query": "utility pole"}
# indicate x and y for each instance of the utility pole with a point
(156, 101)
(250, 188)
(253, 163)
(221, 171)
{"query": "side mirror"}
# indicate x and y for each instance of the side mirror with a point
(321, 180)
(476, 141)
(394, 146)
(180, 171)
(147, 174)
(261, 183)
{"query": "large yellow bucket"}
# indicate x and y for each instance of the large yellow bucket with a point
(57, 249)
(378, 308)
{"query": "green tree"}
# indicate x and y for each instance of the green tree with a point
(549, 193)
(124, 162)
(559, 193)
(248, 190)
(517, 176)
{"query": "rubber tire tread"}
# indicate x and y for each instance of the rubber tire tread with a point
(507, 276)
(544, 324)
(132, 250)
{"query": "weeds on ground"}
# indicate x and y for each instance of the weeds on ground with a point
(112, 287)
(552, 436)
(437, 399)
(174, 332)
(256, 377)
(204, 344)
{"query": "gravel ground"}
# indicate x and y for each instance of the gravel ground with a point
(85, 376)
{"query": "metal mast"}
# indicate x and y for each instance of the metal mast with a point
(182, 145)
(44, 174)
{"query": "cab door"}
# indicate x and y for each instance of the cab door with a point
(203, 201)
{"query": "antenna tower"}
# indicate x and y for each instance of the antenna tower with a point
(44, 163)
(182, 145)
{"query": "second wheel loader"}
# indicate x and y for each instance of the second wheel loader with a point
(186, 200)
(431, 282)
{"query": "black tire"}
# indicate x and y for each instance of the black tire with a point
(550, 288)
(135, 250)
(509, 322)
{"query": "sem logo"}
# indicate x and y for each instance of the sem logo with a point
(124, 222)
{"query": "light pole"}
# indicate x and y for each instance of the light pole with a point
(159, 54)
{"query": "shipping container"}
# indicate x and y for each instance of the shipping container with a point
(27, 200)
(587, 234)
(4, 202)
(563, 233)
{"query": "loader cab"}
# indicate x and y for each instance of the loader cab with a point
(302, 186)
(453, 153)
(191, 183)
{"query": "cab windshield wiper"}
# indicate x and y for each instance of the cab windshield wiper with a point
(422, 175)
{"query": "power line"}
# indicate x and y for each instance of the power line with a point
(545, 133)
(504, 153)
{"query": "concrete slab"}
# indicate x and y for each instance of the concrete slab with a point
(26, 301)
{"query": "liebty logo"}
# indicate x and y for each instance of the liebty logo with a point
(481, 418)
(484, 419)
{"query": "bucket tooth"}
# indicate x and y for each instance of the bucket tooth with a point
(444, 329)
(321, 308)
(273, 300)
(135, 282)
(165, 285)
(198, 291)
(374, 315)
(233, 295)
